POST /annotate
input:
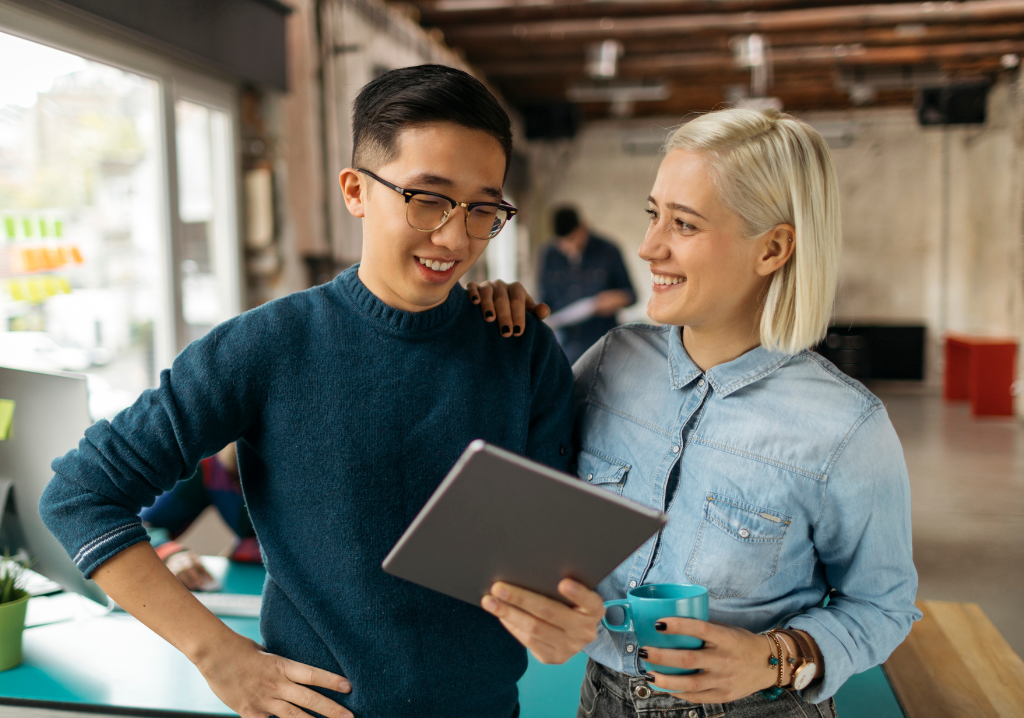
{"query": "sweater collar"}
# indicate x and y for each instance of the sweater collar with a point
(392, 320)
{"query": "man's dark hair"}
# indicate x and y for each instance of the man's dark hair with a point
(419, 95)
(566, 221)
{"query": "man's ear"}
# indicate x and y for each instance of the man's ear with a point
(353, 189)
(775, 247)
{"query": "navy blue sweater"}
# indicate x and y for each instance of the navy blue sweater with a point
(348, 413)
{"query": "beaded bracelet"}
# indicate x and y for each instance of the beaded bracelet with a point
(776, 690)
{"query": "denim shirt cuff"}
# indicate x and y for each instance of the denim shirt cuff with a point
(838, 667)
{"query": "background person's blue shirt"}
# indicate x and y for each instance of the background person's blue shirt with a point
(783, 479)
(563, 282)
(348, 413)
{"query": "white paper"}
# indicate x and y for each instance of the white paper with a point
(579, 311)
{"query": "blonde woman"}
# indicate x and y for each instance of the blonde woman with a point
(784, 480)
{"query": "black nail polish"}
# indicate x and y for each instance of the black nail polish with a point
(642, 653)
(650, 677)
(516, 329)
(504, 329)
(488, 314)
(660, 626)
(475, 300)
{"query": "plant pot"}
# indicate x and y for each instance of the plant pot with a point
(12, 625)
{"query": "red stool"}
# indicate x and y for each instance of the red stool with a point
(981, 370)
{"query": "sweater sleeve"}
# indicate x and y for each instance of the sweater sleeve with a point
(863, 538)
(207, 399)
(551, 403)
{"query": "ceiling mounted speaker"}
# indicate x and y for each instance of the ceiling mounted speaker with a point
(953, 105)
(551, 121)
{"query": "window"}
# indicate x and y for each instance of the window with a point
(205, 213)
(97, 273)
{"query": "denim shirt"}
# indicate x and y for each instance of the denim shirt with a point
(783, 479)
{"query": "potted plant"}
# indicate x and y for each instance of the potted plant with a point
(13, 604)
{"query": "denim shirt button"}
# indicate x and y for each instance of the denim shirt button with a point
(630, 648)
(632, 584)
(692, 714)
(590, 477)
(700, 382)
(744, 533)
(675, 449)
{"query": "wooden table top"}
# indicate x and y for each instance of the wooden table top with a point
(955, 664)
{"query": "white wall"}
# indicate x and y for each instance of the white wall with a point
(891, 174)
(894, 178)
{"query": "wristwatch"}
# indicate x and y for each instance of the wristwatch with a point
(807, 671)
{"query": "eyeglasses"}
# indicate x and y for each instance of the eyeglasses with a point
(428, 211)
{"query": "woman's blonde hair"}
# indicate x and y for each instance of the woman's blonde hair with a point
(771, 169)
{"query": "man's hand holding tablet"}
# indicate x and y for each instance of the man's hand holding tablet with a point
(552, 631)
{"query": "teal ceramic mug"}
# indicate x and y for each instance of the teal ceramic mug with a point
(646, 605)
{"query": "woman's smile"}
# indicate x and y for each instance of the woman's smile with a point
(665, 282)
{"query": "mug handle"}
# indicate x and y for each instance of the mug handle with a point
(624, 627)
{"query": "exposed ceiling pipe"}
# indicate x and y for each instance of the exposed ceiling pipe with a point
(862, 16)
(603, 59)
(753, 51)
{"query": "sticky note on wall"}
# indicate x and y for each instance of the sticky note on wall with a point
(6, 417)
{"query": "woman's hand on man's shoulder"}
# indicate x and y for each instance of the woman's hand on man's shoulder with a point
(506, 304)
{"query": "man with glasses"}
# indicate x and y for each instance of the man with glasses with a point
(348, 404)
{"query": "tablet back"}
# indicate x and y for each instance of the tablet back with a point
(499, 516)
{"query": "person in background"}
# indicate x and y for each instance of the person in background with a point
(584, 281)
(215, 483)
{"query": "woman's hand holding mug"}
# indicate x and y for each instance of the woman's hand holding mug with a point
(685, 653)
(733, 663)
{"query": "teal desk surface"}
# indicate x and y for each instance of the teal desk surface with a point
(112, 664)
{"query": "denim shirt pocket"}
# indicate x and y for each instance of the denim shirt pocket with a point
(737, 547)
(602, 470)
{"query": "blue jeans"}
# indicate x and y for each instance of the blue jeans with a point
(608, 694)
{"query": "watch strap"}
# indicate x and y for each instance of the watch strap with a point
(807, 657)
(806, 652)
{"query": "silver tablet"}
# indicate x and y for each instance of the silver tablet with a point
(499, 516)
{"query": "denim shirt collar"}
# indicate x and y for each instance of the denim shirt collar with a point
(724, 378)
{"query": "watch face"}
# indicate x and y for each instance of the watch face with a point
(804, 675)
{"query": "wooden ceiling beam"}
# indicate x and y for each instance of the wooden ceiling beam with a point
(807, 84)
(685, 104)
(554, 88)
(681, 106)
(829, 55)
(915, 35)
(449, 11)
(462, 7)
(823, 18)
(555, 85)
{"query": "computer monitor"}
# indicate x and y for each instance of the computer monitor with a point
(51, 413)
